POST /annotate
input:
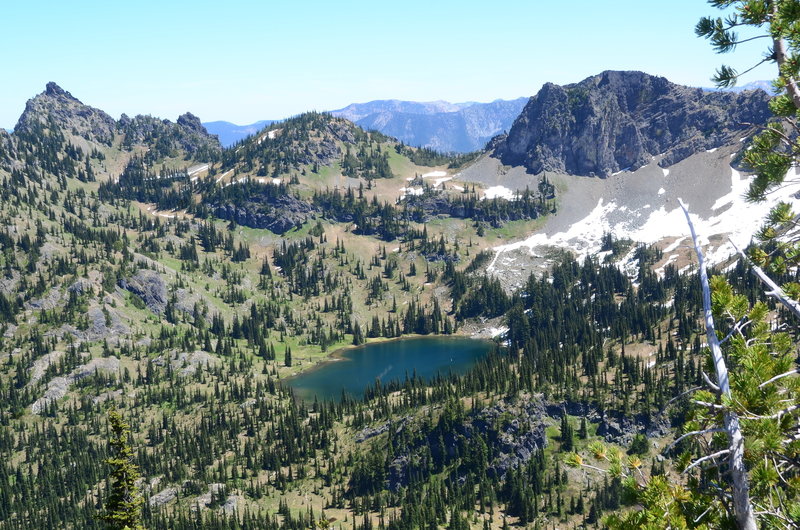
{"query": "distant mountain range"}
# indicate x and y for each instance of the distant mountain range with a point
(459, 127)
(440, 125)
(763, 84)
(230, 133)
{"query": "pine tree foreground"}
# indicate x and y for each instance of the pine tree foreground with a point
(123, 507)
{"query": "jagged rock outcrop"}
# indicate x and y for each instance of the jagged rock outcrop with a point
(58, 386)
(166, 139)
(621, 120)
(186, 363)
(279, 215)
(57, 107)
(150, 287)
(513, 433)
(163, 497)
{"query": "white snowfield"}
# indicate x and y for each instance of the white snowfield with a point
(270, 134)
(438, 176)
(500, 192)
(411, 191)
(730, 217)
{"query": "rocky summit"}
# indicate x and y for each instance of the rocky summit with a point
(621, 120)
(55, 107)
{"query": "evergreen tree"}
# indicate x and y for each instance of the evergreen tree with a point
(122, 510)
(287, 359)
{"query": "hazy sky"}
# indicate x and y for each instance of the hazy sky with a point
(243, 61)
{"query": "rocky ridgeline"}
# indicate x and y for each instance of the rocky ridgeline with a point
(187, 134)
(57, 108)
(621, 120)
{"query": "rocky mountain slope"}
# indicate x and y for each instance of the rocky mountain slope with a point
(621, 120)
(653, 142)
(55, 120)
(57, 107)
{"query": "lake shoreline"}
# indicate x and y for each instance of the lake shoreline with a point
(393, 360)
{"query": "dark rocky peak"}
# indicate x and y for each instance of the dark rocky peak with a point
(621, 120)
(192, 123)
(55, 107)
(168, 139)
(52, 89)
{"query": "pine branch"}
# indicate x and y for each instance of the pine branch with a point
(692, 433)
(786, 374)
(776, 291)
(714, 388)
(706, 458)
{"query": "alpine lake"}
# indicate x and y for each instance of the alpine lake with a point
(351, 370)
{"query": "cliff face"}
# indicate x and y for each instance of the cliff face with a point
(621, 120)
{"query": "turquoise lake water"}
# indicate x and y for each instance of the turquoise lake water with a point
(353, 369)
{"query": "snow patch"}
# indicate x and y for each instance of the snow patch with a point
(439, 181)
(496, 332)
(738, 222)
(499, 192)
(411, 191)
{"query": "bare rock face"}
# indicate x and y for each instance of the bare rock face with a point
(621, 120)
(279, 215)
(186, 363)
(163, 497)
(59, 386)
(514, 432)
(150, 287)
(56, 107)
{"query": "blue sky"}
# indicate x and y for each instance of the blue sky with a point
(243, 61)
